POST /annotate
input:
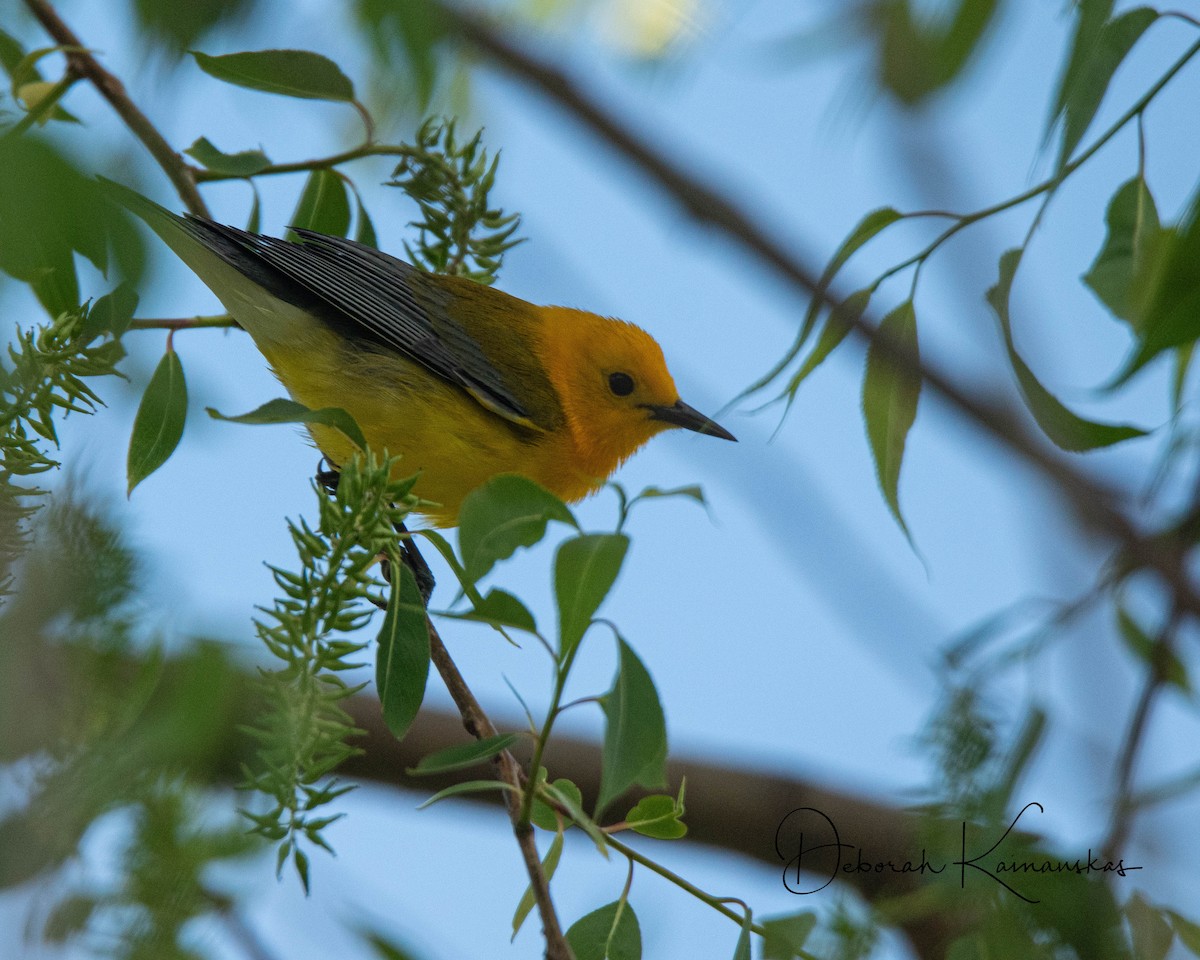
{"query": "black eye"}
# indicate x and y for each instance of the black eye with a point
(621, 384)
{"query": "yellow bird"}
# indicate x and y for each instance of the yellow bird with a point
(462, 380)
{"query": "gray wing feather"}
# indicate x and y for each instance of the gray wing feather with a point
(370, 294)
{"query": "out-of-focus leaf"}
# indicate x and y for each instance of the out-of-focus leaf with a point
(407, 35)
(158, 426)
(1098, 49)
(1172, 316)
(1122, 269)
(920, 55)
(292, 73)
(245, 163)
(890, 394)
(1187, 930)
(1152, 935)
(324, 205)
(1156, 656)
(49, 212)
(364, 231)
(786, 936)
(1068, 430)
(181, 24)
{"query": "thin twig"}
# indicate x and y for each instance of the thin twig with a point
(479, 726)
(222, 320)
(1122, 821)
(82, 63)
(302, 166)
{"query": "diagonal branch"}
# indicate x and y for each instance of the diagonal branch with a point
(510, 771)
(82, 64)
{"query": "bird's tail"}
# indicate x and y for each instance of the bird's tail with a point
(253, 291)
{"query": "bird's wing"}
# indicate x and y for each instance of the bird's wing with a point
(374, 296)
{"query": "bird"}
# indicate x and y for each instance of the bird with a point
(462, 380)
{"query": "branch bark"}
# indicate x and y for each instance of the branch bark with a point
(82, 64)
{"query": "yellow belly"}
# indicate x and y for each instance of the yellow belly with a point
(437, 428)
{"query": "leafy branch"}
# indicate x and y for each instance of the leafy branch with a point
(303, 730)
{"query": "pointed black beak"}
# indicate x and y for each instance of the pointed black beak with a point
(679, 414)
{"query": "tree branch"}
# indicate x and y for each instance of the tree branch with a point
(510, 771)
(83, 64)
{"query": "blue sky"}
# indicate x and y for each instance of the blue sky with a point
(791, 627)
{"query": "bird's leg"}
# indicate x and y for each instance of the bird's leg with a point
(416, 563)
(327, 478)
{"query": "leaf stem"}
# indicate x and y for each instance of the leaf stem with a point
(302, 166)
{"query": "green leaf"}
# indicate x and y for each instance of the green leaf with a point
(1095, 57)
(384, 948)
(500, 609)
(691, 492)
(402, 657)
(742, 950)
(158, 425)
(112, 313)
(293, 73)
(365, 230)
(465, 755)
(1064, 428)
(1172, 316)
(868, 227)
(585, 568)
(1187, 931)
(542, 815)
(324, 205)
(1120, 274)
(786, 936)
(656, 816)
(1152, 935)
(507, 512)
(921, 54)
(832, 334)
(635, 734)
(1151, 652)
(549, 865)
(890, 394)
(468, 786)
(69, 918)
(568, 800)
(180, 24)
(49, 212)
(280, 410)
(610, 933)
(245, 163)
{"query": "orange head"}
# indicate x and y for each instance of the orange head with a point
(614, 387)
